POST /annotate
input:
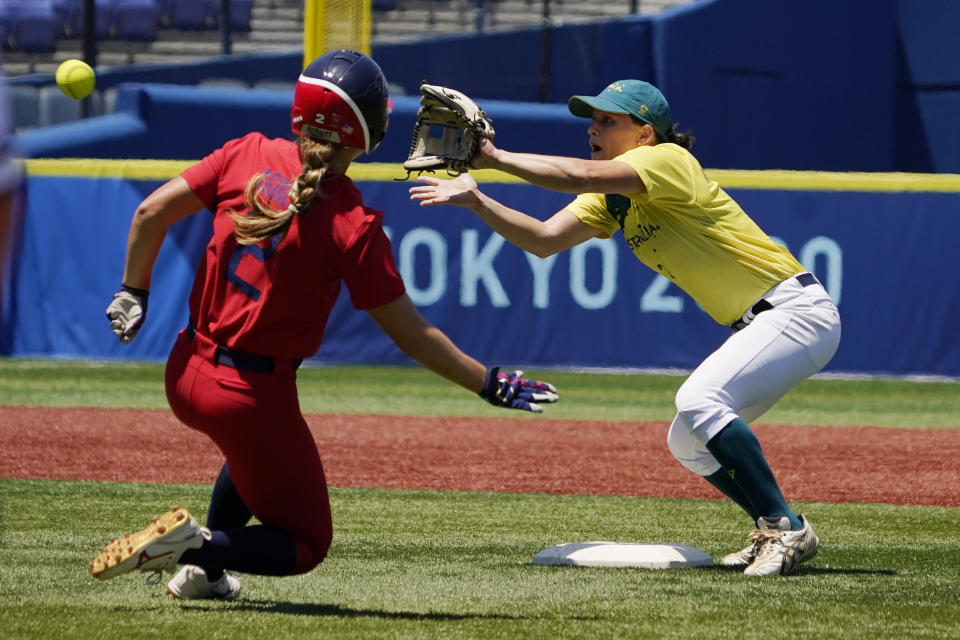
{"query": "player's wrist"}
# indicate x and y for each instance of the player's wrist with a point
(477, 201)
(493, 157)
(137, 291)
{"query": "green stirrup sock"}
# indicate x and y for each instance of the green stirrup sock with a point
(724, 483)
(736, 447)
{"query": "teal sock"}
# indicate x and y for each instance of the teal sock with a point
(736, 448)
(725, 484)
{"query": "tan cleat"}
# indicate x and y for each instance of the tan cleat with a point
(156, 548)
(745, 556)
(782, 549)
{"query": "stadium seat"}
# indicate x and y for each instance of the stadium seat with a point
(109, 100)
(70, 14)
(135, 20)
(189, 15)
(32, 26)
(25, 105)
(55, 107)
(103, 16)
(240, 14)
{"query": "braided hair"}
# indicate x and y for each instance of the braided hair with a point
(684, 139)
(263, 221)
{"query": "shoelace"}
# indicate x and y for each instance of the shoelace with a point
(766, 541)
(155, 577)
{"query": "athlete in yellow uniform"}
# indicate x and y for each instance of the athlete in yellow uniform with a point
(687, 229)
(642, 179)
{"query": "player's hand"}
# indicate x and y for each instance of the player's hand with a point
(461, 191)
(127, 312)
(484, 158)
(512, 391)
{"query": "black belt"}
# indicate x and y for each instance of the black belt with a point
(241, 360)
(805, 279)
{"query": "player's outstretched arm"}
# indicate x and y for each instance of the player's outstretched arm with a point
(171, 202)
(542, 238)
(431, 348)
(561, 173)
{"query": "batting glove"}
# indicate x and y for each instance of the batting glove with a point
(512, 391)
(127, 312)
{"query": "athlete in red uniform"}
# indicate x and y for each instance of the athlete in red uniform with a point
(288, 227)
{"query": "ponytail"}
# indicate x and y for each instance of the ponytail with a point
(263, 221)
(684, 139)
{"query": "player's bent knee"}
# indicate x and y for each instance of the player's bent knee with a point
(687, 449)
(677, 438)
(311, 553)
(681, 442)
(697, 408)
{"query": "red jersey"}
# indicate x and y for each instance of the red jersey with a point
(274, 298)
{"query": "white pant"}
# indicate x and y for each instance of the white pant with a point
(754, 368)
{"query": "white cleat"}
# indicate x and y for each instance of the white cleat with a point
(746, 556)
(191, 583)
(781, 549)
(156, 548)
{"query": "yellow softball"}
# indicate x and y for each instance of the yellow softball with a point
(75, 78)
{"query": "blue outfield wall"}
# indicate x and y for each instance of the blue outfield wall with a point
(885, 256)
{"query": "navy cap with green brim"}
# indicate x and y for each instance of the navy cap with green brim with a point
(636, 97)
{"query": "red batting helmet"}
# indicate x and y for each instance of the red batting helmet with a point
(342, 97)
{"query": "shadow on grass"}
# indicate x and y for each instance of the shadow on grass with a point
(316, 609)
(805, 570)
(844, 571)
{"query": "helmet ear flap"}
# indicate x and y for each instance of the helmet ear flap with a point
(341, 97)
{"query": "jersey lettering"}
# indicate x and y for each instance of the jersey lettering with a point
(275, 186)
(260, 254)
(645, 232)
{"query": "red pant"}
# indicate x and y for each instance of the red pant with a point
(255, 420)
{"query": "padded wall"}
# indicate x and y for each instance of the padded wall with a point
(928, 98)
(595, 305)
(509, 65)
(782, 85)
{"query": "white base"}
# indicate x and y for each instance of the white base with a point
(616, 554)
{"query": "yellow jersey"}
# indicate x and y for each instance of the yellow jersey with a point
(686, 228)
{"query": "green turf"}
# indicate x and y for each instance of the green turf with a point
(457, 565)
(414, 391)
(408, 564)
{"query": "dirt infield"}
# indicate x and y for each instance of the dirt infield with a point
(849, 464)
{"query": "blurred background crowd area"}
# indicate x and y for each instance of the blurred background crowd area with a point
(37, 35)
(873, 90)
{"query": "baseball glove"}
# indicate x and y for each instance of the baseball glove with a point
(456, 124)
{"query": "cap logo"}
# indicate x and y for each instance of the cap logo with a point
(643, 110)
(616, 86)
